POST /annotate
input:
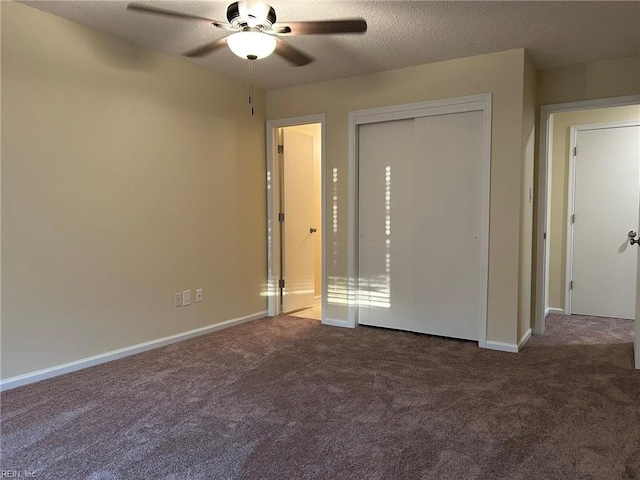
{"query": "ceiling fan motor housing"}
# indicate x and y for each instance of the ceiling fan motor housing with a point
(240, 16)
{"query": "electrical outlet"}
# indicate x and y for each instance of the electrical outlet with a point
(177, 300)
(186, 298)
(198, 295)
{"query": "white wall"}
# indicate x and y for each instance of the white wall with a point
(637, 323)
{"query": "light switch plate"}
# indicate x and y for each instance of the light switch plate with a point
(198, 295)
(186, 297)
(177, 300)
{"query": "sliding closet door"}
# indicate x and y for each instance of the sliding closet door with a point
(385, 296)
(420, 210)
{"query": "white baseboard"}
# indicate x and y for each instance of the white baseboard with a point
(54, 371)
(336, 323)
(636, 344)
(555, 311)
(502, 347)
(524, 339)
(509, 347)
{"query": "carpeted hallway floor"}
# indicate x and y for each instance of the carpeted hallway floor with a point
(288, 398)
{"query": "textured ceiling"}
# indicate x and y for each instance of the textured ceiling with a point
(401, 33)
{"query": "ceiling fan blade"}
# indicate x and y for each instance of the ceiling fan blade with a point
(292, 54)
(353, 25)
(207, 48)
(137, 7)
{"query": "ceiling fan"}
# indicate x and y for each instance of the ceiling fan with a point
(256, 31)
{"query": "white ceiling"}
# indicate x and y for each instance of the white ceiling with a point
(400, 33)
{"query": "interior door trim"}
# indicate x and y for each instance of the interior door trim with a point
(544, 191)
(271, 289)
(573, 139)
(471, 103)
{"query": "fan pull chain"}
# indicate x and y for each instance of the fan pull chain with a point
(251, 86)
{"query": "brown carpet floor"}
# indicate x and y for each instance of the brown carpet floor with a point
(288, 398)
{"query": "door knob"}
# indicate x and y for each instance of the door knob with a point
(312, 230)
(632, 238)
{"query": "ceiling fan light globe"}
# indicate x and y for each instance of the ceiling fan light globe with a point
(251, 44)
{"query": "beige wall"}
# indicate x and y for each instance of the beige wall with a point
(588, 81)
(559, 178)
(529, 107)
(499, 73)
(126, 176)
(0, 194)
(315, 130)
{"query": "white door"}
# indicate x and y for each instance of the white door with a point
(606, 199)
(637, 322)
(420, 210)
(298, 240)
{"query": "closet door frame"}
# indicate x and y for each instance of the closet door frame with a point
(471, 103)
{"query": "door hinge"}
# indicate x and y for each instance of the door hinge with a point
(571, 285)
(281, 283)
(544, 237)
(281, 217)
(280, 148)
(575, 151)
(573, 218)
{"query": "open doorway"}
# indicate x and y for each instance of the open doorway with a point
(592, 201)
(295, 227)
